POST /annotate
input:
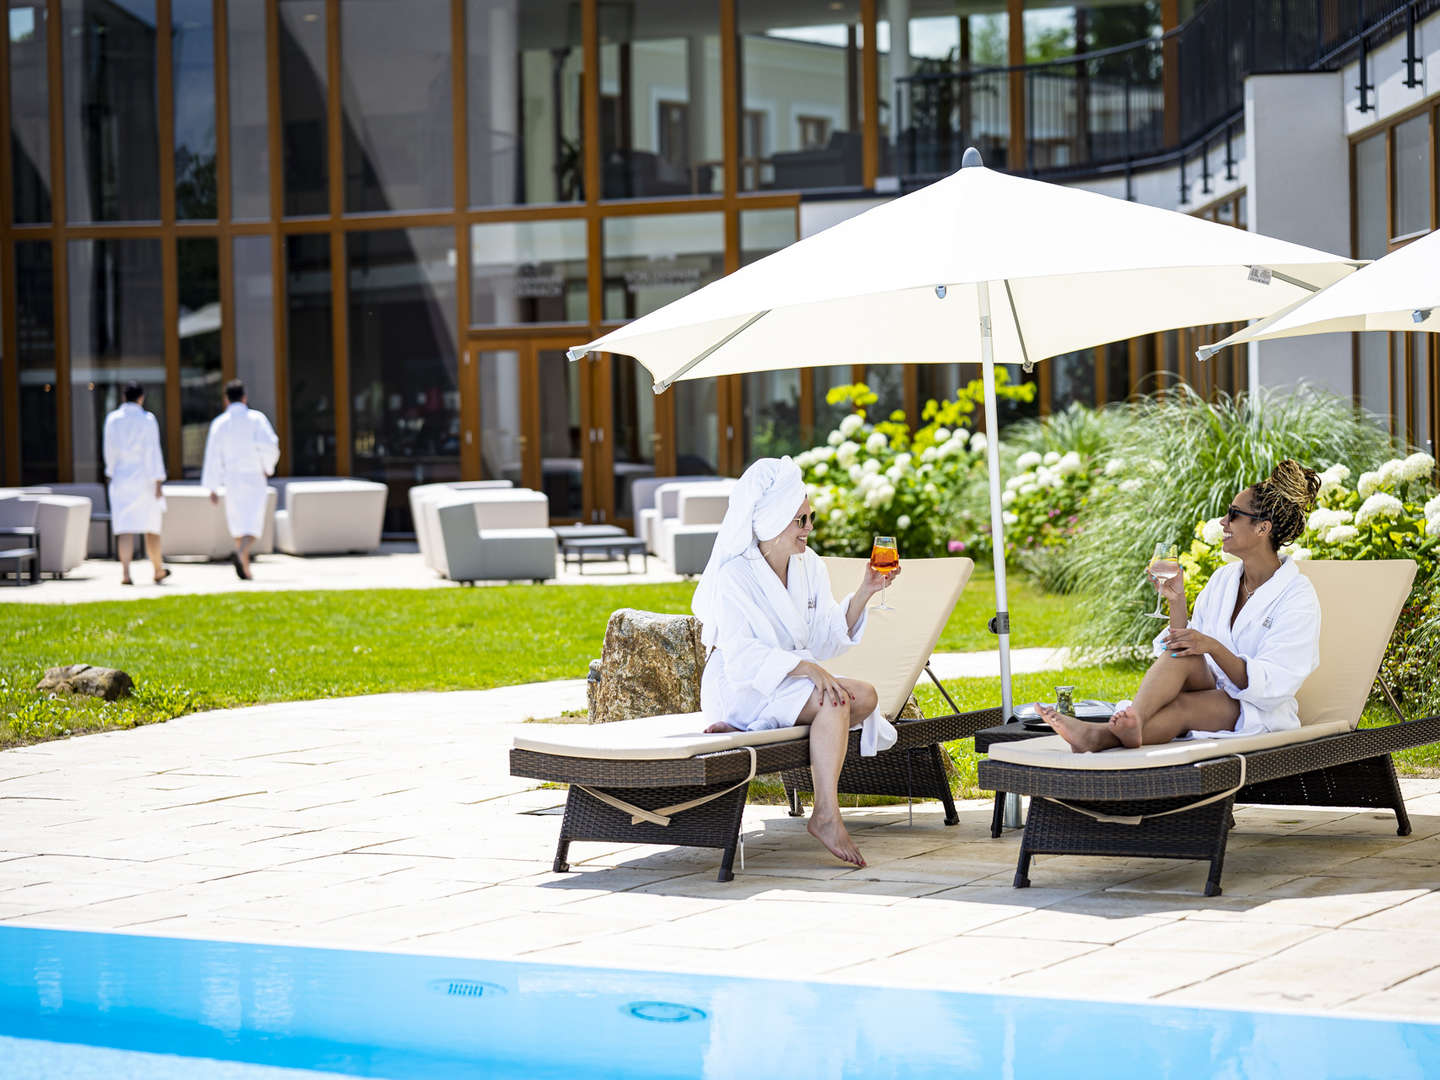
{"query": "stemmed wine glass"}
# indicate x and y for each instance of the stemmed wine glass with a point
(1164, 565)
(884, 559)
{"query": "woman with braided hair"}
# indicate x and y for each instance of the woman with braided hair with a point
(1235, 664)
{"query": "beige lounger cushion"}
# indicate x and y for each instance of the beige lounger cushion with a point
(1359, 603)
(899, 643)
(892, 654)
(647, 738)
(1053, 752)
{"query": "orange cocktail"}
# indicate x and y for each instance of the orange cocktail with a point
(884, 559)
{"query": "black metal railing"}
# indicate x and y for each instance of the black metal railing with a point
(1104, 111)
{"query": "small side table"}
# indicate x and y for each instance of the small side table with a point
(1015, 731)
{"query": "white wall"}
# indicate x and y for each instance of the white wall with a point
(1300, 191)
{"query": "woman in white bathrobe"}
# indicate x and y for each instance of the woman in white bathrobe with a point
(136, 471)
(240, 452)
(1234, 666)
(768, 615)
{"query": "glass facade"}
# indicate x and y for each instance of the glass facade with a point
(353, 251)
(1412, 176)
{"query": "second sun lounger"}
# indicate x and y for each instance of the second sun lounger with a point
(1173, 801)
(662, 780)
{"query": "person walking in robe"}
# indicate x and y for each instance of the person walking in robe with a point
(1234, 665)
(768, 616)
(136, 471)
(240, 452)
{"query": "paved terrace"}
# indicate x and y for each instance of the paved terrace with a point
(391, 823)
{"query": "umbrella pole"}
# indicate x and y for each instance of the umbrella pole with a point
(1001, 624)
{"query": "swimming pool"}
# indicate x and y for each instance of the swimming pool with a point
(109, 1006)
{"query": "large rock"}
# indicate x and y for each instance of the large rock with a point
(101, 682)
(650, 665)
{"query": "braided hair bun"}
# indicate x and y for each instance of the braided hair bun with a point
(1285, 498)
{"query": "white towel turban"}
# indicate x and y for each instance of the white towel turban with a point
(763, 502)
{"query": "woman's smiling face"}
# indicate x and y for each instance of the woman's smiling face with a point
(1243, 533)
(795, 539)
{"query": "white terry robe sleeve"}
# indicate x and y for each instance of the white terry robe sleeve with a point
(749, 659)
(267, 443)
(212, 473)
(155, 458)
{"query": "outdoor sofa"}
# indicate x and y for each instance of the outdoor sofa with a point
(687, 536)
(495, 535)
(1173, 801)
(100, 543)
(643, 500)
(59, 526)
(422, 512)
(194, 526)
(662, 780)
(330, 516)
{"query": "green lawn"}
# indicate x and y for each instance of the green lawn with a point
(188, 653)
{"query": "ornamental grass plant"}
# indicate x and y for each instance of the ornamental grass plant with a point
(1179, 459)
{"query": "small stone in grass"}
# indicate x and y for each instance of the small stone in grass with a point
(107, 683)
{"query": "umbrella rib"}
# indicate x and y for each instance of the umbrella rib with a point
(1015, 318)
(665, 383)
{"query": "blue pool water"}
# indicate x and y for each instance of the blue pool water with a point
(110, 1007)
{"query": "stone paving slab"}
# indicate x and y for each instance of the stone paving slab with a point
(391, 822)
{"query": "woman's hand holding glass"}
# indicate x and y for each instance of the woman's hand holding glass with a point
(1168, 578)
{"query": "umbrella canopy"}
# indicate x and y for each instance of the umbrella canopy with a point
(915, 279)
(1078, 269)
(1399, 292)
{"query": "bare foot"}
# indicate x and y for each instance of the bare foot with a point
(719, 728)
(831, 832)
(1083, 738)
(1125, 726)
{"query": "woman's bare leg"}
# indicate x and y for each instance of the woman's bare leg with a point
(152, 551)
(1083, 736)
(1169, 679)
(125, 549)
(1193, 710)
(829, 738)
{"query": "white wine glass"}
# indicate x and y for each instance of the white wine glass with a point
(1164, 565)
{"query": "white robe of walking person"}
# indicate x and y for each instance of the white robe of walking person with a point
(766, 628)
(133, 465)
(240, 453)
(1277, 634)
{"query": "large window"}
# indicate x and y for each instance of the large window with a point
(193, 64)
(112, 155)
(405, 416)
(249, 112)
(304, 89)
(800, 94)
(660, 112)
(253, 305)
(1412, 176)
(651, 259)
(524, 65)
(35, 332)
(528, 272)
(198, 264)
(29, 111)
(396, 77)
(116, 334)
(310, 356)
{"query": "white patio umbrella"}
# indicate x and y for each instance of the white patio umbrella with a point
(1400, 292)
(914, 280)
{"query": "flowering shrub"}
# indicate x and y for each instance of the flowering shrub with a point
(1392, 512)
(881, 478)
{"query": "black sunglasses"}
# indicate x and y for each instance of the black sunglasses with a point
(806, 520)
(1235, 511)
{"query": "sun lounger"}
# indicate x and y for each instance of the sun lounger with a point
(661, 780)
(1173, 801)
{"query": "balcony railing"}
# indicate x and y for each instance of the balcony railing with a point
(1105, 111)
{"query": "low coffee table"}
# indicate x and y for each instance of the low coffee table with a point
(616, 545)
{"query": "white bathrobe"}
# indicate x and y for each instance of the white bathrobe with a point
(240, 453)
(133, 464)
(765, 630)
(1277, 634)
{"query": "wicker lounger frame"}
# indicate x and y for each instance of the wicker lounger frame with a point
(1353, 769)
(912, 767)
